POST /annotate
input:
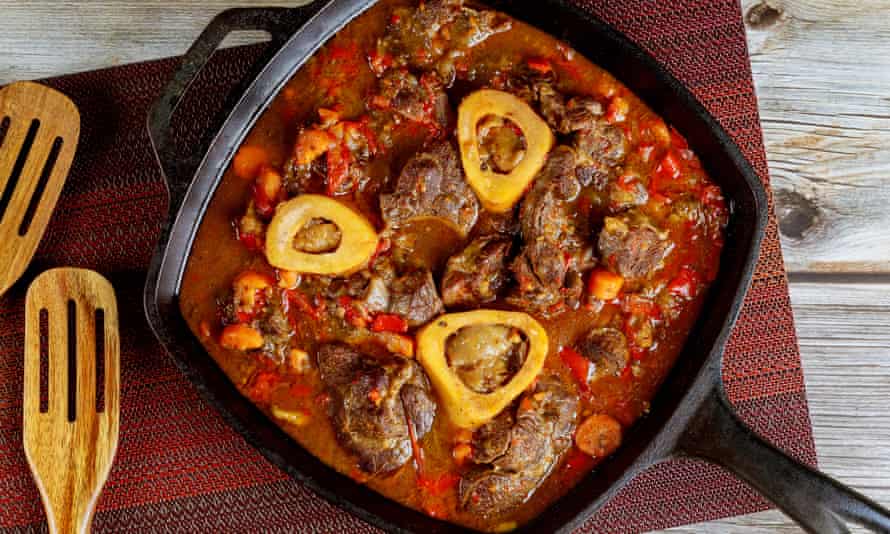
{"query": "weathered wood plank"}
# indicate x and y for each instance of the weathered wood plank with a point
(822, 72)
(844, 334)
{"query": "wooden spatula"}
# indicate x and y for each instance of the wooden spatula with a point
(72, 382)
(39, 130)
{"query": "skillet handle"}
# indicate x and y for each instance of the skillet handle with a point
(279, 22)
(816, 502)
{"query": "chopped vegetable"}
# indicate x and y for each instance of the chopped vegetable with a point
(399, 344)
(267, 191)
(388, 322)
(260, 389)
(577, 364)
(617, 110)
(288, 279)
(540, 65)
(248, 161)
(294, 417)
(462, 452)
(298, 360)
(604, 284)
(311, 144)
(598, 436)
(686, 283)
(241, 337)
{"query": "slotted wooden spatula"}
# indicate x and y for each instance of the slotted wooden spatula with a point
(72, 383)
(39, 130)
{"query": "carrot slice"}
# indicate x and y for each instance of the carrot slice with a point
(249, 160)
(599, 435)
(604, 284)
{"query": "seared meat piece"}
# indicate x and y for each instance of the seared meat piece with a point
(631, 245)
(606, 348)
(514, 453)
(432, 185)
(485, 357)
(372, 404)
(545, 213)
(490, 223)
(549, 265)
(476, 274)
(600, 148)
(540, 271)
(414, 297)
(423, 101)
(435, 34)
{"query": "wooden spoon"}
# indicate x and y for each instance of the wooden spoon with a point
(39, 130)
(70, 425)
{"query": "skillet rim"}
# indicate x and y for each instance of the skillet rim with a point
(161, 292)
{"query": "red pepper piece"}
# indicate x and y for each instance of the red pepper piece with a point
(251, 242)
(686, 284)
(540, 65)
(578, 460)
(338, 159)
(577, 364)
(261, 386)
(389, 322)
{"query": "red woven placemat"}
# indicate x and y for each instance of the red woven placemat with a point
(180, 468)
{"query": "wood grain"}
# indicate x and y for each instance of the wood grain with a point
(29, 188)
(822, 73)
(70, 449)
(845, 344)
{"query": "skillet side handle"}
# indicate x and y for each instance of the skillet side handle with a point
(279, 22)
(816, 502)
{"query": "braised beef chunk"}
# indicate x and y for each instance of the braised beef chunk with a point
(600, 148)
(435, 34)
(504, 224)
(373, 401)
(485, 357)
(432, 185)
(606, 348)
(420, 100)
(414, 297)
(477, 274)
(631, 245)
(554, 253)
(514, 453)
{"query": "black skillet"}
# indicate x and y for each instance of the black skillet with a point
(690, 416)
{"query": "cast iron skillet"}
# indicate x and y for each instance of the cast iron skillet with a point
(690, 415)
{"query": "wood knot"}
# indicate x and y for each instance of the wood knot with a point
(796, 213)
(762, 15)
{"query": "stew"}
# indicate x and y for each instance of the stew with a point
(454, 260)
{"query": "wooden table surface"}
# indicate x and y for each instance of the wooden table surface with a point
(822, 71)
